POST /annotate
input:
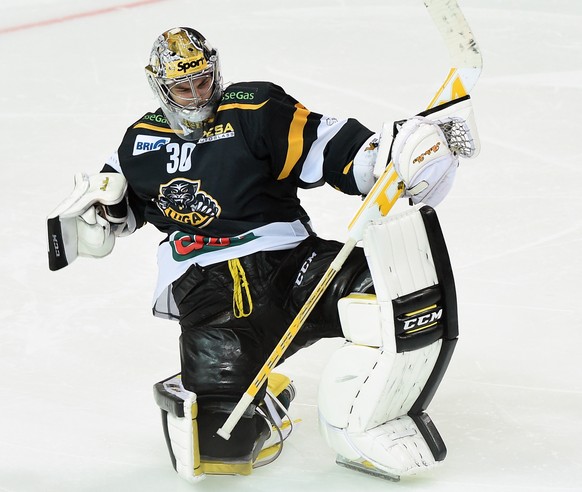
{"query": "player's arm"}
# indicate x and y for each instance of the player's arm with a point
(348, 159)
(425, 151)
(313, 149)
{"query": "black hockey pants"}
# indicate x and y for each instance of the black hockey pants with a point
(222, 353)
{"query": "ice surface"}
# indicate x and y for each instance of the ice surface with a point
(79, 350)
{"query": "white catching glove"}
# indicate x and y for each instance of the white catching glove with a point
(426, 149)
(423, 160)
(85, 223)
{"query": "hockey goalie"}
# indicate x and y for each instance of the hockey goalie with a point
(216, 168)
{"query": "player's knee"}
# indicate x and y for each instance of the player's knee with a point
(218, 362)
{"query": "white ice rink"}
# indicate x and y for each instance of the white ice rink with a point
(79, 349)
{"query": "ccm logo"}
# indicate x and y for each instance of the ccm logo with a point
(304, 268)
(423, 320)
(56, 248)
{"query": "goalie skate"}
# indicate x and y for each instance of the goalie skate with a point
(367, 468)
(280, 394)
(181, 430)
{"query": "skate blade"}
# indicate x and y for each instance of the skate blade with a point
(367, 468)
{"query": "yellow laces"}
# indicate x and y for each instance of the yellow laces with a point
(240, 286)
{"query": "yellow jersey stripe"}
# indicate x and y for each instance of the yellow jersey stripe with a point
(252, 107)
(156, 128)
(347, 168)
(295, 140)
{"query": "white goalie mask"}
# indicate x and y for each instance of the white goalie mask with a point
(184, 73)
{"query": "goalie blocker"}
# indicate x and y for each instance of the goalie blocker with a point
(375, 389)
(88, 220)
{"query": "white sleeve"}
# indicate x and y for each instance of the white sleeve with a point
(328, 128)
(113, 162)
(364, 164)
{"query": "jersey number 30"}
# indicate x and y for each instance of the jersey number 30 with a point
(179, 157)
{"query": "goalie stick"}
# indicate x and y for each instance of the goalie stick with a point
(466, 65)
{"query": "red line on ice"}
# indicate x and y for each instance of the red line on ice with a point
(80, 15)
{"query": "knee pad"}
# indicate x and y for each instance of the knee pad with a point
(375, 389)
(190, 429)
(219, 361)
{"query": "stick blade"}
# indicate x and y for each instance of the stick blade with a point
(464, 53)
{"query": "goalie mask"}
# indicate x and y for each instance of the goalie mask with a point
(184, 73)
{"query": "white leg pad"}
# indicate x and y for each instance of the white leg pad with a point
(181, 435)
(396, 447)
(364, 396)
(362, 387)
(180, 412)
(371, 398)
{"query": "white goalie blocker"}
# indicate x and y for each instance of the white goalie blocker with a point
(88, 220)
(375, 388)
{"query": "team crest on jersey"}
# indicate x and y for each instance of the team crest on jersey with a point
(183, 201)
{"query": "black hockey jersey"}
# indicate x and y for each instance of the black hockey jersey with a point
(234, 191)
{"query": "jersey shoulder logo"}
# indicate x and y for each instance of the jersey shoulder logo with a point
(217, 132)
(242, 94)
(182, 200)
(148, 143)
